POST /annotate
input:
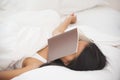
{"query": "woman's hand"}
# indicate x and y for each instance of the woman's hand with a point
(73, 18)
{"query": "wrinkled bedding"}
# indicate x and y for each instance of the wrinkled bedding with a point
(30, 38)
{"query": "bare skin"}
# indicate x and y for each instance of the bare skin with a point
(60, 29)
(32, 63)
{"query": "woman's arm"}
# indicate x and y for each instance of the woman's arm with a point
(28, 64)
(7, 75)
(62, 27)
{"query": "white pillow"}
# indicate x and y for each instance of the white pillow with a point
(67, 6)
(114, 4)
(8, 5)
(101, 23)
(13, 5)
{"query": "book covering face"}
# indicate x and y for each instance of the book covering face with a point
(62, 45)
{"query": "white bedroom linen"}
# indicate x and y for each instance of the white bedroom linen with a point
(20, 5)
(89, 18)
(62, 6)
(101, 24)
(25, 33)
(89, 22)
(67, 7)
(110, 72)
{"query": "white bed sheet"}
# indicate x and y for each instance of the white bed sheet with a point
(101, 36)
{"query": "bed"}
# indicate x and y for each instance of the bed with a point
(100, 23)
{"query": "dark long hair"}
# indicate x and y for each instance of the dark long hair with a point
(91, 58)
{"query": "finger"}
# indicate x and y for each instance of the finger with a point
(72, 14)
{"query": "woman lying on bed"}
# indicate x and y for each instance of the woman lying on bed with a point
(87, 57)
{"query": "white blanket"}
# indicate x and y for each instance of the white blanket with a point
(23, 34)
